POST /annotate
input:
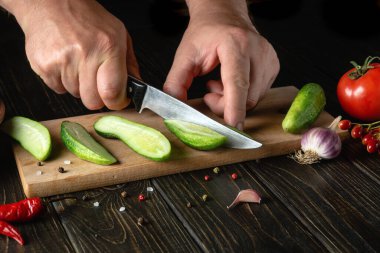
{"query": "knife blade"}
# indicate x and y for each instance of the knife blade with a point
(145, 96)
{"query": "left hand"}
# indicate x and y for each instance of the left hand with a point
(249, 63)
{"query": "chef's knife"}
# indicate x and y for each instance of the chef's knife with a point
(168, 107)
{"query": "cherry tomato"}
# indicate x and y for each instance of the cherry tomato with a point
(359, 93)
(366, 138)
(372, 146)
(344, 124)
(356, 131)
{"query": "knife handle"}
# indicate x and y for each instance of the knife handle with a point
(136, 91)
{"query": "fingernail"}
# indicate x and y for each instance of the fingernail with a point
(240, 126)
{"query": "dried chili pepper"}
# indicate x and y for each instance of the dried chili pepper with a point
(24, 210)
(10, 231)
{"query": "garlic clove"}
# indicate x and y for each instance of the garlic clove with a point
(248, 195)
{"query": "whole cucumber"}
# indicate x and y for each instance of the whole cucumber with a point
(305, 109)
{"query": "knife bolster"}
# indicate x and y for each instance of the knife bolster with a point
(136, 91)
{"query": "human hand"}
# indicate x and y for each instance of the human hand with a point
(248, 61)
(80, 48)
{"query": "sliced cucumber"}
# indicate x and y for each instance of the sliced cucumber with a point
(195, 136)
(32, 136)
(142, 139)
(82, 144)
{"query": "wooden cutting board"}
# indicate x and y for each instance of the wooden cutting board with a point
(263, 124)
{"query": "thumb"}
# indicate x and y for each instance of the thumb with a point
(180, 75)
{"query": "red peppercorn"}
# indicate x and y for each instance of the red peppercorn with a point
(234, 176)
(141, 197)
(207, 178)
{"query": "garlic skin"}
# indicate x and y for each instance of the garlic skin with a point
(323, 141)
(319, 143)
(247, 195)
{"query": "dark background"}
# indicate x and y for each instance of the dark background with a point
(332, 206)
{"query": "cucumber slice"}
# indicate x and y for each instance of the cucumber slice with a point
(143, 140)
(82, 144)
(195, 136)
(32, 136)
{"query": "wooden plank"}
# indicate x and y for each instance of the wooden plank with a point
(107, 229)
(265, 227)
(336, 203)
(263, 124)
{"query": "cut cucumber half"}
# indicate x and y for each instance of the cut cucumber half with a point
(195, 136)
(142, 139)
(82, 144)
(32, 136)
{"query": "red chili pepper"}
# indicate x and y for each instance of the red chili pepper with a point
(10, 231)
(24, 210)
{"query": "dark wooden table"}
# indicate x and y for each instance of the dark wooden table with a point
(333, 206)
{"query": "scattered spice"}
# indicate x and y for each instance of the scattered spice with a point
(96, 204)
(39, 173)
(67, 162)
(61, 170)
(207, 178)
(140, 221)
(248, 195)
(216, 170)
(124, 194)
(141, 197)
(40, 163)
(234, 176)
(10, 231)
(149, 189)
(204, 197)
(188, 204)
(122, 209)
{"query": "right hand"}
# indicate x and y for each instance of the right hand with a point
(80, 48)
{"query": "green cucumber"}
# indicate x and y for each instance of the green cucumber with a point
(83, 145)
(144, 140)
(32, 136)
(305, 108)
(195, 136)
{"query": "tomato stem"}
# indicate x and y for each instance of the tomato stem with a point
(360, 70)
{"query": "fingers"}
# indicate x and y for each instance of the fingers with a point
(261, 81)
(235, 77)
(111, 83)
(70, 78)
(181, 74)
(88, 88)
(49, 74)
(215, 100)
(132, 65)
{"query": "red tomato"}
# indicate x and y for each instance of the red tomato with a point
(360, 97)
